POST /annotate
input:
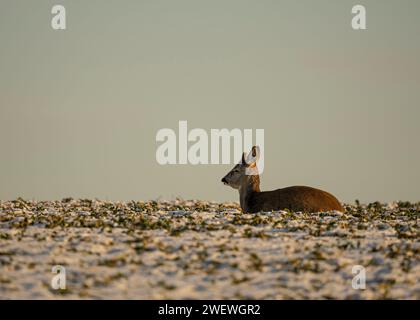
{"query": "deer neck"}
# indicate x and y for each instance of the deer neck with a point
(249, 186)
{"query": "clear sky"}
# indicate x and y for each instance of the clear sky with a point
(80, 108)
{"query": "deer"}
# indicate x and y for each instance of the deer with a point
(245, 178)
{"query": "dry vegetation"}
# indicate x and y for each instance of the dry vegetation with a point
(198, 249)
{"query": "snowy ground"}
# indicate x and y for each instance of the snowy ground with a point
(197, 249)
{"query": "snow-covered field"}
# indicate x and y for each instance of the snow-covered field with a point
(198, 249)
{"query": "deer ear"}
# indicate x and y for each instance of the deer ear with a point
(253, 155)
(255, 151)
(243, 161)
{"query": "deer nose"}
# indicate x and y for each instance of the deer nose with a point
(224, 180)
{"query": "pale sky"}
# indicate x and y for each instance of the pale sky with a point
(80, 108)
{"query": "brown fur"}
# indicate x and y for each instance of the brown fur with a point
(297, 198)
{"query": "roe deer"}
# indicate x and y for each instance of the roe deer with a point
(297, 198)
